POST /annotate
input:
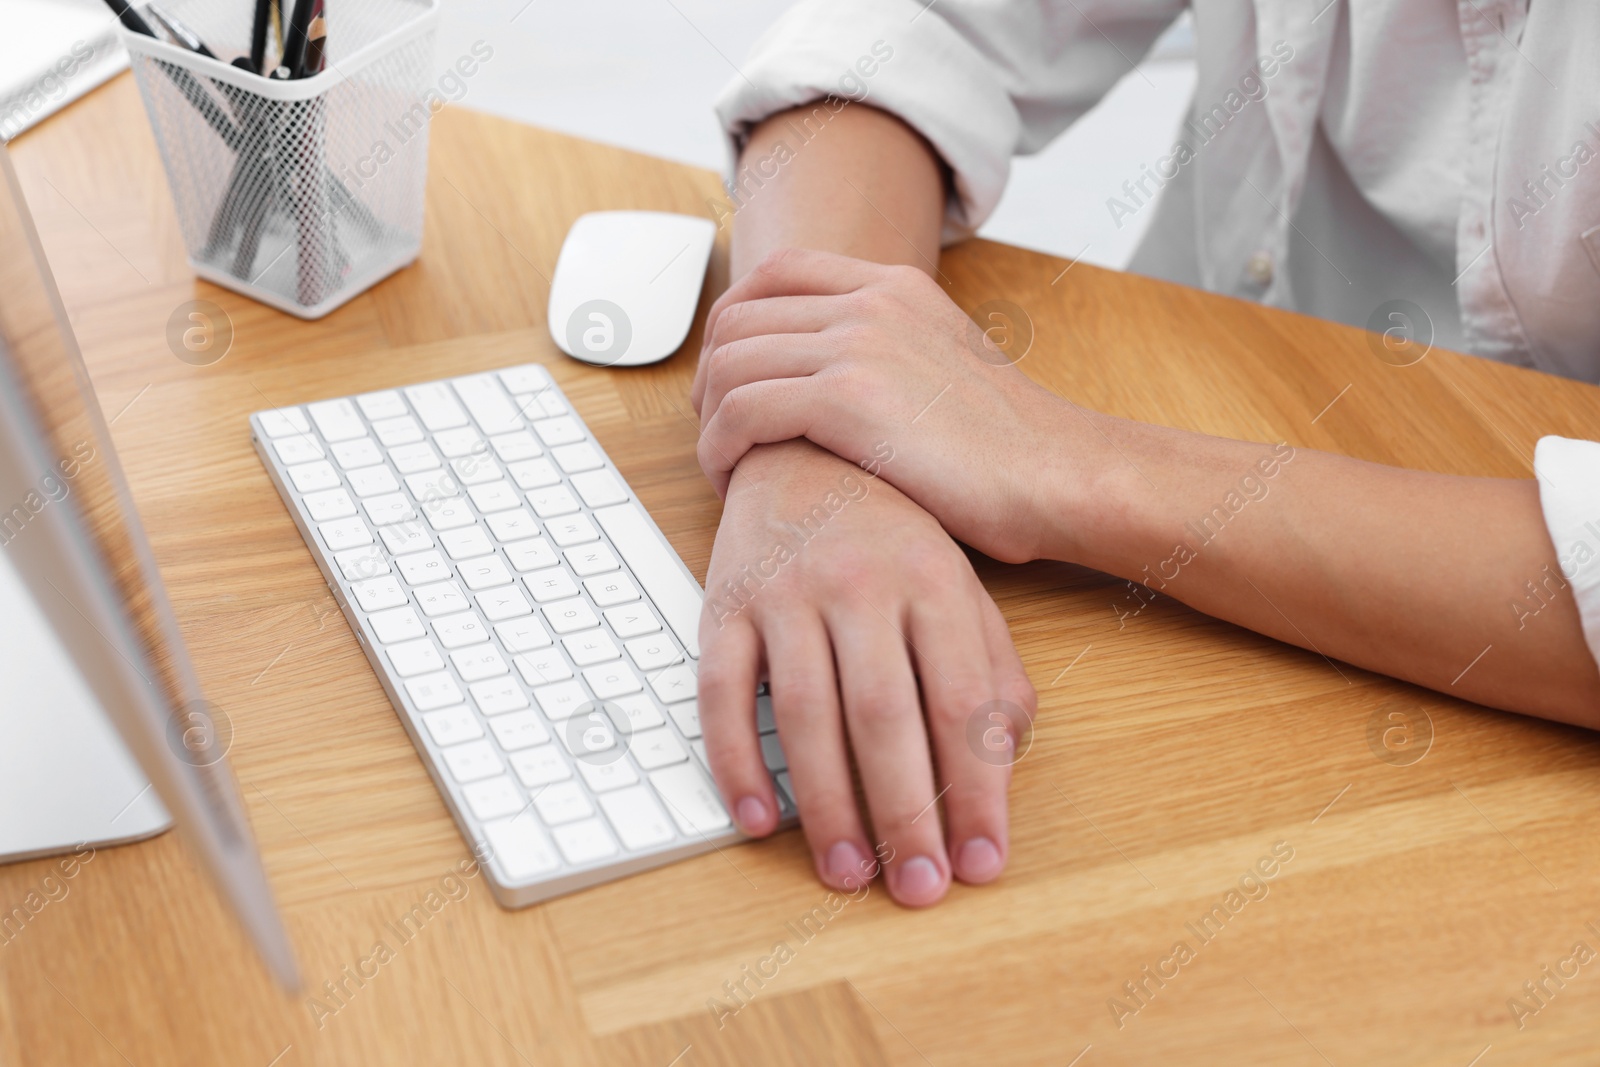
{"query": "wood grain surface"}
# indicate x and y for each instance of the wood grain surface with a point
(1420, 877)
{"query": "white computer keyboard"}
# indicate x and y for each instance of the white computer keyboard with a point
(535, 630)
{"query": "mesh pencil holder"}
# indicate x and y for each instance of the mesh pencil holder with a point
(299, 193)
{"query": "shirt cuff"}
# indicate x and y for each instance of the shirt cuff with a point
(893, 55)
(1569, 494)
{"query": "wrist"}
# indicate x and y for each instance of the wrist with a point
(1099, 506)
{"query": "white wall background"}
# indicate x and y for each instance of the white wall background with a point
(643, 73)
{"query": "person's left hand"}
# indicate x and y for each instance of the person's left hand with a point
(878, 366)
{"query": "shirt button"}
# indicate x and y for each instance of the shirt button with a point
(1259, 268)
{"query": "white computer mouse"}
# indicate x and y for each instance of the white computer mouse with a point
(626, 285)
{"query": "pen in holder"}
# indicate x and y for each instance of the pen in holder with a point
(300, 192)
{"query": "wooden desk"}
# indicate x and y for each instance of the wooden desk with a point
(1168, 760)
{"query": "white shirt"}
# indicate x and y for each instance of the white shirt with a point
(1340, 156)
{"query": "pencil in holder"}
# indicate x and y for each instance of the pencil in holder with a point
(300, 193)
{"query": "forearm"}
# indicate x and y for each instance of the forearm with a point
(1448, 582)
(861, 183)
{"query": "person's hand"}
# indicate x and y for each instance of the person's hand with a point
(872, 362)
(850, 599)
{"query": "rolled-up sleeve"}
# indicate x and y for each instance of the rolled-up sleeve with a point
(982, 80)
(1569, 494)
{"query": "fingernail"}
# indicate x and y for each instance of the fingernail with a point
(752, 815)
(846, 866)
(978, 860)
(916, 881)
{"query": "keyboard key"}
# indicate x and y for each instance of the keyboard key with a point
(590, 647)
(404, 537)
(764, 720)
(420, 568)
(520, 847)
(375, 594)
(494, 496)
(358, 563)
(432, 485)
(370, 481)
(341, 534)
(561, 700)
(460, 630)
(506, 602)
(772, 753)
(528, 378)
(572, 530)
(551, 404)
(686, 717)
(612, 680)
(498, 695)
(650, 653)
(485, 572)
(674, 684)
(409, 459)
(388, 509)
(605, 776)
(448, 513)
(337, 420)
(561, 803)
(657, 748)
(361, 452)
(478, 662)
(435, 406)
(561, 431)
(519, 730)
(452, 726)
(566, 616)
(640, 711)
(556, 500)
(383, 405)
(440, 598)
(494, 798)
(785, 788)
(512, 525)
(472, 761)
(411, 658)
(465, 543)
(618, 589)
(533, 473)
(432, 691)
(401, 430)
(329, 504)
(514, 447)
(531, 554)
(600, 488)
(475, 469)
(297, 449)
(584, 842)
(400, 624)
(579, 457)
(284, 421)
(591, 559)
(551, 584)
(632, 620)
(637, 817)
(674, 593)
(488, 404)
(462, 441)
(691, 798)
(542, 666)
(540, 766)
(314, 476)
(522, 635)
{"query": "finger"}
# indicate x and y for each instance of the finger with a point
(805, 703)
(796, 272)
(1010, 676)
(755, 414)
(958, 689)
(727, 693)
(891, 748)
(754, 359)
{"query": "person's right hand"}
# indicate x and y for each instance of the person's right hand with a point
(865, 617)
